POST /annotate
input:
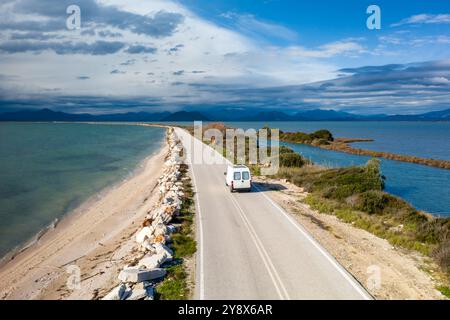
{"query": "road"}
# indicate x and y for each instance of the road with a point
(250, 248)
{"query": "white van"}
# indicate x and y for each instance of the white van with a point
(238, 178)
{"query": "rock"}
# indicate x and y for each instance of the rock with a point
(133, 275)
(137, 294)
(120, 292)
(150, 293)
(171, 229)
(147, 246)
(144, 233)
(160, 230)
(152, 261)
(160, 247)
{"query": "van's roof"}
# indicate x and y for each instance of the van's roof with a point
(239, 166)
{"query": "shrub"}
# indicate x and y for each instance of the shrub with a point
(322, 135)
(371, 201)
(291, 160)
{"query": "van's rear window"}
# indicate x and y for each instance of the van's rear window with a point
(237, 176)
(245, 175)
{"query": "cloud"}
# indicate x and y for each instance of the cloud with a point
(31, 36)
(116, 71)
(129, 62)
(257, 28)
(83, 78)
(138, 49)
(159, 24)
(344, 47)
(63, 48)
(109, 34)
(424, 19)
(178, 73)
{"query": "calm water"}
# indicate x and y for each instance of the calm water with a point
(427, 188)
(422, 139)
(48, 169)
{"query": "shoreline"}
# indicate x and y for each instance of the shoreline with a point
(343, 145)
(78, 209)
(22, 273)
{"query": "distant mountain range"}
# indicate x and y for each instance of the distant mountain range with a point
(310, 115)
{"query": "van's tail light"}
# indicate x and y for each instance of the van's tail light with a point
(232, 184)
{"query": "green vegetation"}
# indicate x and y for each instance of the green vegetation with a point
(174, 286)
(289, 158)
(445, 291)
(355, 195)
(321, 137)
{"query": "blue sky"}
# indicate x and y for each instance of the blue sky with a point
(153, 55)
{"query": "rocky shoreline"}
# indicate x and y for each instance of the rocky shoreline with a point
(138, 278)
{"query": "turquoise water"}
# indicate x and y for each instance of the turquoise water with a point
(426, 188)
(48, 169)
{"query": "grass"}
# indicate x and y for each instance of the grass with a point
(444, 290)
(184, 246)
(174, 286)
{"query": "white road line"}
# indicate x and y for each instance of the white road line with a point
(330, 259)
(333, 261)
(200, 230)
(263, 254)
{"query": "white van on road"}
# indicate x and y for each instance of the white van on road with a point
(238, 178)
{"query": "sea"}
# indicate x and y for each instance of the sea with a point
(49, 169)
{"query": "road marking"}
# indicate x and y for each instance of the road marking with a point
(330, 259)
(200, 229)
(333, 261)
(263, 253)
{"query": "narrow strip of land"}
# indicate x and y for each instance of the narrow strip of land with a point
(250, 248)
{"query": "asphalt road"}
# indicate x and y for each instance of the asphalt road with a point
(250, 248)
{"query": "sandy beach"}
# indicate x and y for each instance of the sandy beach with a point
(90, 240)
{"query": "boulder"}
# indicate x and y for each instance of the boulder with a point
(160, 229)
(162, 248)
(136, 275)
(143, 234)
(152, 261)
(171, 229)
(120, 292)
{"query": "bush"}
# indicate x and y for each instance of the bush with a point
(322, 135)
(371, 202)
(291, 160)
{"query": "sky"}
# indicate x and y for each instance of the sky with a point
(168, 55)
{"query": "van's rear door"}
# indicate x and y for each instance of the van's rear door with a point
(241, 180)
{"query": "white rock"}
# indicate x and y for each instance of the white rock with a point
(137, 294)
(139, 275)
(162, 248)
(152, 261)
(120, 292)
(143, 234)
